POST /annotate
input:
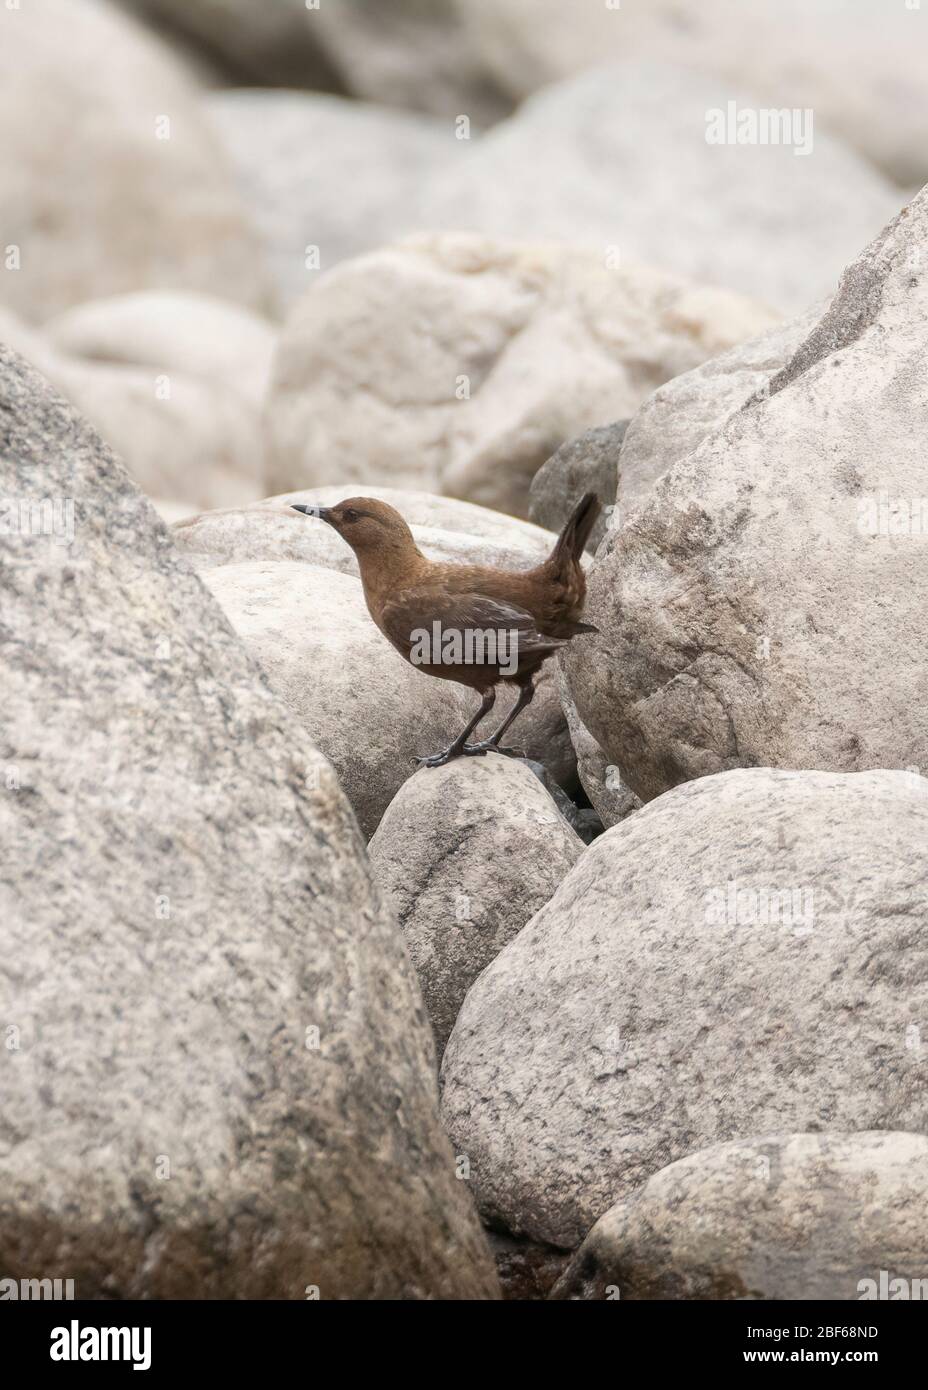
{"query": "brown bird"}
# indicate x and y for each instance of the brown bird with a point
(466, 623)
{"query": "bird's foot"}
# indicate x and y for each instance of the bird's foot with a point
(439, 759)
(488, 746)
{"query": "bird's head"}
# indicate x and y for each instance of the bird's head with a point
(367, 524)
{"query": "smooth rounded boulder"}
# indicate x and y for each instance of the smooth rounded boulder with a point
(218, 1080)
(466, 854)
(838, 1217)
(768, 604)
(746, 954)
(458, 364)
(110, 178)
(175, 384)
(326, 178)
(789, 52)
(634, 160)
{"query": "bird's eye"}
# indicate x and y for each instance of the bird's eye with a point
(349, 514)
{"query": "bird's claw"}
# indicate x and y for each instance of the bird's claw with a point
(489, 747)
(439, 759)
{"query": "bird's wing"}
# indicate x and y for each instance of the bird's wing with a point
(413, 612)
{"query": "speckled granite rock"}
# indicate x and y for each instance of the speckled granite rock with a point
(768, 605)
(748, 953)
(785, 1216)
(217, 1078)
(110, 177)
(466, 854)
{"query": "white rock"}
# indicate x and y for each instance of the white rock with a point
(325, 178)
(175, 383)
(218, 1079)
(679, 415)
(94, 199)
(466, 854)
(769, 605)
(358, 701)
(786, 1216)
(792, 53)
(618, 159)
(193, 334)
(748, 953)
(458, 365)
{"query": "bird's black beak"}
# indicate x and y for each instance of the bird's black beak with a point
(323, 513)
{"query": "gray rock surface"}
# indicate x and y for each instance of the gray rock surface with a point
(322, 172)
(369, 711)
(110, 178)
(609, 795)
(768, 605)
(217, 1075)
(791, 53)
(466, 854)
(785, 1216)
(746, 954)
(679, 415)
(457, 364)
(617, 159)
(175, 384)
(587, 464)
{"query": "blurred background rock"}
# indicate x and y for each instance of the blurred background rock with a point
(216, 189)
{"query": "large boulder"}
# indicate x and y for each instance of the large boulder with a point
(458, 364)
(218, 1079)
(748, 953)
(791, 53)
(175, 384)
(326, 178)
(769, 605)
(466, 854)
(357, 700)
(785, 1216)
(679, 415)
(618, 159)
(110, 178)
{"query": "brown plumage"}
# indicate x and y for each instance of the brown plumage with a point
(510, 621)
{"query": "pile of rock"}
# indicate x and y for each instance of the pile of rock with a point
(672, 961)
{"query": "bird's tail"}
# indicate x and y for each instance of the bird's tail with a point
(576, 530)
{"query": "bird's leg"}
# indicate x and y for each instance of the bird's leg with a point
(492, 743)
(458, 747)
